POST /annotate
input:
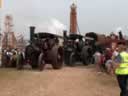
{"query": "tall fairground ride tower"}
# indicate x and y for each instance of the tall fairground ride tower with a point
(73, 18)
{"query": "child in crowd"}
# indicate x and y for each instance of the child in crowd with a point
(99, 59)
(109, 62)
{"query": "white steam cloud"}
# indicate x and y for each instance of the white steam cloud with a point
(53, 26)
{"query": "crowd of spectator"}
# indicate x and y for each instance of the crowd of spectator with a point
(104, 60)
(8, 57)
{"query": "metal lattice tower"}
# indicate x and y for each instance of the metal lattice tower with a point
(9, 40)
(8, 23)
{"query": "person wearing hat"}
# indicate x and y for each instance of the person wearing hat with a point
(121, 68)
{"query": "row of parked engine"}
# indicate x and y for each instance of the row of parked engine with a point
(44, 48)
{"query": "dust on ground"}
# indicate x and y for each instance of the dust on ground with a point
(69, 81)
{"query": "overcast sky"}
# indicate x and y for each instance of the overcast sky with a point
(102, 16)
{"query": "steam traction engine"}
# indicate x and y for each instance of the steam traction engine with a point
(43, 49)
(101, 42)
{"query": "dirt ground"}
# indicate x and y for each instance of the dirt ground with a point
(76, 81)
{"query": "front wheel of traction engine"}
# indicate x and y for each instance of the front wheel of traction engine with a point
(57, 58)
(41, 63)
(67, 57)
(72, 59)
(85, 55)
